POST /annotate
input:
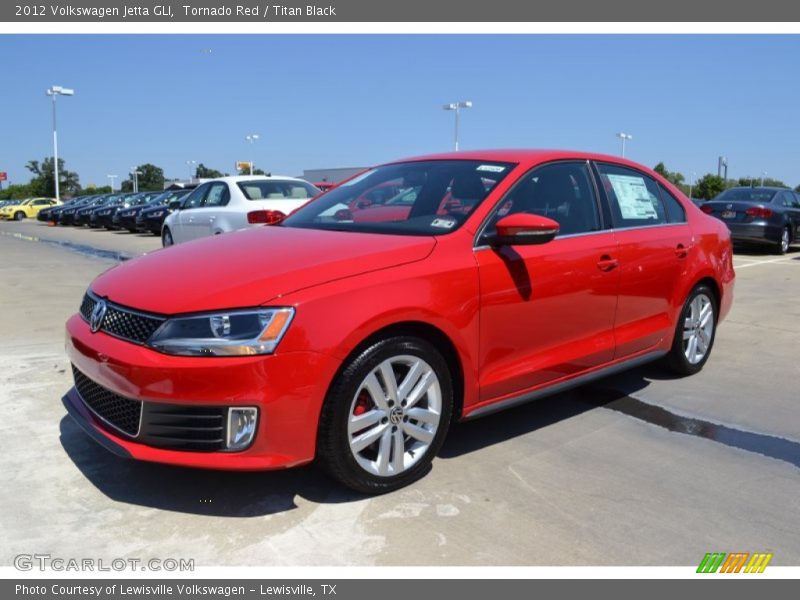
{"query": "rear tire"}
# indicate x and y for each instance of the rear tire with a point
(782, 246)
(694, 332)
(386, 415)
(166, 238)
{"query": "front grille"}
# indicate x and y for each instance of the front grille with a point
(121, 322)
(119, 413)
(169, 426)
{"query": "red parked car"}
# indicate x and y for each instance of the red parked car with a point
(358, 343)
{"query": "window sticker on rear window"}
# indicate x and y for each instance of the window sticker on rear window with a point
(491, 168)
(443, 223)
(635, 202)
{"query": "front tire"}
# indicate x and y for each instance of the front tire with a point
(19, 215)
(386, 415)
(166, 238)
(694, 332)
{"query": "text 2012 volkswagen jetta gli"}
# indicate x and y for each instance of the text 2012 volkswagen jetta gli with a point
(357, 332)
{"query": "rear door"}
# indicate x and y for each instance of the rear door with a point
(547, 311)
(655, 242)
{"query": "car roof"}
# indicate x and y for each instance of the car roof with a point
(237, 178)
(523, 156)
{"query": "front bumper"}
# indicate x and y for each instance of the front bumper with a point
(288, 390)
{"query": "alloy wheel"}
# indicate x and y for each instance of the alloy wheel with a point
(394, 415)
(785, 241)
(698, 328)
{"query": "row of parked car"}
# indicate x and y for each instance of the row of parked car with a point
(767, 216)
(190, 212)
(136, 212)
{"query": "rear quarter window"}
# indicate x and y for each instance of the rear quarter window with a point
(675, 211)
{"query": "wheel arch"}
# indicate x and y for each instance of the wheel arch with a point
(429, 333)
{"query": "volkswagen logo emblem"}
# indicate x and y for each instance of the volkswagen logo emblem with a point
(729, 206)
(98, 314)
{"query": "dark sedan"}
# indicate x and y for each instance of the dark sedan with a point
(83, 215)
(152, 217)
(124, 217)
(65, 215)
(46, 214)
(766, 216)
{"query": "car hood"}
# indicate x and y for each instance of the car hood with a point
(250, 267)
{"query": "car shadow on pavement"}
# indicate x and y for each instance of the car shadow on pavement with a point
(196, 491)
(471, 436)
(254, 494)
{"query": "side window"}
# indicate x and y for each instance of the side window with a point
(195, 199)
(218, 195)
(675, 211)
(632, 196)
(787, 199)
(560, 191)
(795, 200)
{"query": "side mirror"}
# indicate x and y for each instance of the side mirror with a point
(174, 205)
(524, 229)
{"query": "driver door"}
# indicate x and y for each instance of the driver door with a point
(188, 224)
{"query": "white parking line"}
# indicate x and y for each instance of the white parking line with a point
(784, 260)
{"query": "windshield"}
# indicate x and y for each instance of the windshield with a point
(272, 189)
(755, 195)
(416, 198)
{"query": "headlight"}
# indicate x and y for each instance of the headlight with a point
(233, 333)
(158, 213)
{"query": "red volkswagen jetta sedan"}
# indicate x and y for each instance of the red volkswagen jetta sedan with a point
(496, 277)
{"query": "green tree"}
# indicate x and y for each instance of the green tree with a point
(204, 172)
(797, 189)
(709, 186)
(675, 178)
(151, 179)
(15, 191)
(43, 182)
(256, 171)
(758, 181)
(92, 189)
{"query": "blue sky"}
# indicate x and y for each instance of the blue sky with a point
(354, 100)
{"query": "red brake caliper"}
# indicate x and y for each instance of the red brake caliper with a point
(362, 404)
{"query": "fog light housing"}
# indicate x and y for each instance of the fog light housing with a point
(241, 427)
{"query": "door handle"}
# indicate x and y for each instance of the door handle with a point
(211, 219)
(681, 251)
(191, 219)
(607, 263)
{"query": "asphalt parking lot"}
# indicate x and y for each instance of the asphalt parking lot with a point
(637, 469)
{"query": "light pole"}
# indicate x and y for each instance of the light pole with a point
(691, 183)
(252, 137)
(135, 174)
(189, 163)
(624, 137)
(763, 177)
(112, 178)
(54, 91)
(456, 107)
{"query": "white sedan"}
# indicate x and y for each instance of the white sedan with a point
(231, 203)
